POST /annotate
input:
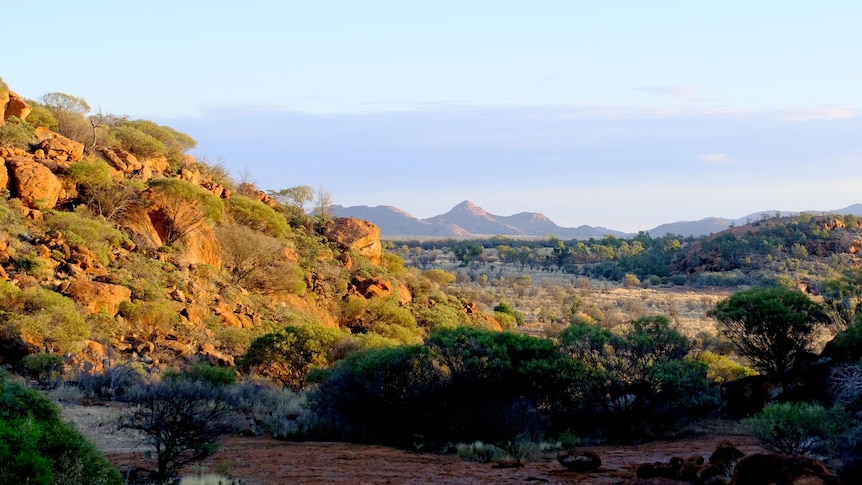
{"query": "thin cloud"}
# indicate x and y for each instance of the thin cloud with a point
(674, 92)
(823, 113)
(716, 159)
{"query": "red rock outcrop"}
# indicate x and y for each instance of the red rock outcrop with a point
(358, 235)
(94, 296)
(34, 183)
(57, 147)
(16, 106)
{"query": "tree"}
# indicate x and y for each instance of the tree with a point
(770, 327)
(297, 196)
(181, 419)
(69, 111)
(322, 203)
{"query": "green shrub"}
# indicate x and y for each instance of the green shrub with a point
(209, 374)
(16, 133)
(41, 116)
(136, 141)
(795, 428)
(288, 355)
(478, 452)
(50, 317)
(257, 215)
(42, 366)
(37, 447)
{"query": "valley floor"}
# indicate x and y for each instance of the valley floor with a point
(265, 461)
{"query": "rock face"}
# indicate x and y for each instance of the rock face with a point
(358, 235)
(96, 297)
(34, 183)
(16, 107)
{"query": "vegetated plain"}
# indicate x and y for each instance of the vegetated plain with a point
(195, 308)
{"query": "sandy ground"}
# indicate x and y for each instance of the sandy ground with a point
(264, 461)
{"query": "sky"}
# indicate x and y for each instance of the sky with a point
(622, 114)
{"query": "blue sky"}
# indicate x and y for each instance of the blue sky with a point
(625, 114)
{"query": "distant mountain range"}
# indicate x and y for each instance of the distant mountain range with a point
(467, 220)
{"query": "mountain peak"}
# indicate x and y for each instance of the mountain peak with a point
(469, 207)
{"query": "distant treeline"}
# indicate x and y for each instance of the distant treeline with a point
(669, 259)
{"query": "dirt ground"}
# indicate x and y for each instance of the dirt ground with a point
(264, 461)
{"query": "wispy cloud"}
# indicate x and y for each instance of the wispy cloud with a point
(674, 92)
(716, 159)
(822, 113)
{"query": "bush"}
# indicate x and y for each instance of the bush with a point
(50, 317)
(37, 447)
(205, 373)
(16, 133)
(256, 215)
(42, 366)
(181, 419)
(795, 428)
(478, 452)
(113, 382)
(288, 355)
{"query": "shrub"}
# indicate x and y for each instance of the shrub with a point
(37, 447)
(256, 215)
(42, 366)
(113, 382)
(288, 355)
(41, 116)
(206, 373)
(794, 428)
(16, 133)
(135, 141)
(181, 419)
(185, 206)
(50, 317)
(478, 452)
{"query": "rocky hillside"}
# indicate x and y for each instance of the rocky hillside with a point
(117, 246)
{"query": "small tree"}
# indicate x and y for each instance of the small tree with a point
(184, 206)
(770, 327)
(181, 419)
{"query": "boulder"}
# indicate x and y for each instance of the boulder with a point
(121, 159)
(373, 287)
(725, 457)
(16, 107)
(16, 344)
(95, 296)
(580, 461)
(34, 183)
(58, 147)
(358, 235)
(765, 469)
